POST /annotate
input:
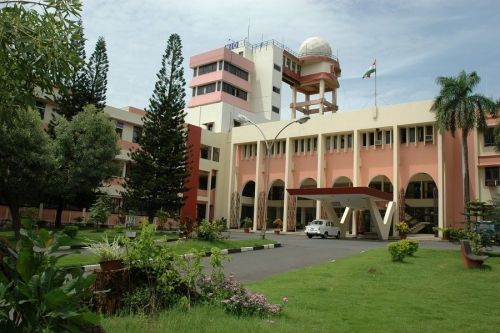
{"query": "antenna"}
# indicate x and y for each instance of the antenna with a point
(248, 31)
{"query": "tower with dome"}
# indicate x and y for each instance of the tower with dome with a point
(246, 79)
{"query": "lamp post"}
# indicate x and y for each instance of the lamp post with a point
(269, 147)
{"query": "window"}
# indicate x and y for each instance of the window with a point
(195, 71)
(402, 134)
(378, 141)
(365, 143)
(492, 176)
(328, 143)
(137, 133)
(236, 71)
(194, 92)
(275, 109)
(203, 182)
(209, 126)
(208, 68)
(205, 89)
(278, 68)
(315, 144)
(349, 141)
(296, 146)
(219, 84)
(119, 129)
(420, 134)
(372, 138)
(429, 134)
(288, 62)
(388, 137)
(221, 64)
(215, 155)
(213, 183)
(283, 147)
(205, 152)
(40, 107)
(489, 137)
(298, 69)
(232, 90)
(335, 144)
(276, 89)
(412, 134)
(342, 141)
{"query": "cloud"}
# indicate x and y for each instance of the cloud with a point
(425, 38)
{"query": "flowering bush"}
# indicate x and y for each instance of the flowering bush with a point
(237, 300)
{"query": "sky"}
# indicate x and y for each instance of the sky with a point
(413, 41)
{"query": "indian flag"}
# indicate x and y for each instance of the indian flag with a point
(372, 69)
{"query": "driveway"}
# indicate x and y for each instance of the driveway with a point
(298, 251)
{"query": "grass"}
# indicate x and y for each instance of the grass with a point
(85, 236)
(180, 247)
(431, 292)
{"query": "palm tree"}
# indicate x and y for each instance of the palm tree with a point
(456, 107)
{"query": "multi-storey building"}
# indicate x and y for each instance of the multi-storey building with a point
(414, 171)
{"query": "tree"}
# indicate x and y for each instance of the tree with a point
(26, 159)
(71, 100)
(160, 169)
(85, 148)
(97, 76)
(36, 50)
(456, 107)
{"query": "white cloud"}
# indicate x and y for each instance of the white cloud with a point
(418, 38)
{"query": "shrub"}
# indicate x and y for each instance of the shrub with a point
(247, 222)
(106, 250)
(412, 248)
(402, 227)
(402, 248)
(71, 231)
(210, 230)
(42, 297)
(278, 223)
(186, 226)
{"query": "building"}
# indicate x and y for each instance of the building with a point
(394, 149)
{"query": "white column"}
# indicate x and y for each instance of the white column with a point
(209, 194)
(320, 172)
(258, 179)
(355, 176)
(288, 164)
(232, 183)
(124, 169)
(395, 172)
(441, 184)
(294, 102)
(321, 96)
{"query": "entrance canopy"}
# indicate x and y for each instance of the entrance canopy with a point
(351, 198)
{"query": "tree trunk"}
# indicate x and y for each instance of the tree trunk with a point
(59, 210)
(465, 171)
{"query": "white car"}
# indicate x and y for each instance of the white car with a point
(323, 228)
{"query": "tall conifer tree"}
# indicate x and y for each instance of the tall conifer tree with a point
(97, 75)
(158, 175)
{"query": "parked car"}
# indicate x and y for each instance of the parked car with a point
(322, 228)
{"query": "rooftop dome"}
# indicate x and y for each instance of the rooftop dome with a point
(315, 46)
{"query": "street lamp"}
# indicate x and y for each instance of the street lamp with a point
(269, 147)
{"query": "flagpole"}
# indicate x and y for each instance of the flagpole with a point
(375, 113)
(375, 83)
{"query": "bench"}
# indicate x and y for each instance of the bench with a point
(470, 260)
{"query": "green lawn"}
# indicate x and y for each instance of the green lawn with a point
(85, 235)
(180, 247)
(432, 292)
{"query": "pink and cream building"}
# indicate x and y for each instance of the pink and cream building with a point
(395, 149)
(414, 171)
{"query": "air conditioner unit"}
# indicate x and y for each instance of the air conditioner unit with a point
(378, 142)
(491, 182)
(429, 138)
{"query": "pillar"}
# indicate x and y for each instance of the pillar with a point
(294, 102)
(321, 96)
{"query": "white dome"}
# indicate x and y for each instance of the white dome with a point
(315, 46)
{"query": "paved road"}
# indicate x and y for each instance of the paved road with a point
(299, 251)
